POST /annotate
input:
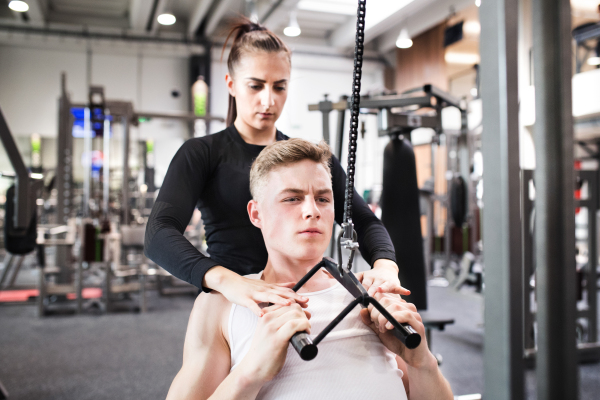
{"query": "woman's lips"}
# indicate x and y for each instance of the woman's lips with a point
(265, 115)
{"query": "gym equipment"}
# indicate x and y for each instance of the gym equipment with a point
(301, 341)
(588, 347)
(400, 214)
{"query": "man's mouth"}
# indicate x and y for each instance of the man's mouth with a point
(311, 232)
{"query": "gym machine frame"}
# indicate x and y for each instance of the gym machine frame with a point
(588, 351)
(390, 124)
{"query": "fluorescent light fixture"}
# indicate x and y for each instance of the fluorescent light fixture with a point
(478, 3)
(166, 19)
(344, 7)
(19, 6)
(403, 41)
(585, 5)
(462, 58)
(593, 61)
(377, 10)
(293, 29)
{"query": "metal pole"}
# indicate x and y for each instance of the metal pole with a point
(555, 233)
(64, 165)
(106, 163)
(87, 168)
(503, 343)
(125, 184)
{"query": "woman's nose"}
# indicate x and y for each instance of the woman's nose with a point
(267, 98)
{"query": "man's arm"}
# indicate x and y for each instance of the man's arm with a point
(423, 379)
(207, 357)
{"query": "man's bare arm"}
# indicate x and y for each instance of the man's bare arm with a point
(206, 356)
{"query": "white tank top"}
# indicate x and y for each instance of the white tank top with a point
(352, 362)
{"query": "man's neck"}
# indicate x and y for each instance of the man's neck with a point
(251, 135)
(281, 269)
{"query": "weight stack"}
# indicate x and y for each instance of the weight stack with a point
(400, 215)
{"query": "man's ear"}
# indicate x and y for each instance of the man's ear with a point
(254, 214)
(229, 81)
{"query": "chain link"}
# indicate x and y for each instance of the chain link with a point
(354, 108)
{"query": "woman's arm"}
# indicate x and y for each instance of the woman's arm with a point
(374, 240)
(375, 244)
(164, 241)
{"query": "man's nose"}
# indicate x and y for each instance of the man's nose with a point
(310, 209)
(267, 99)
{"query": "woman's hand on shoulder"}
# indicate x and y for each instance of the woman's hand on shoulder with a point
(383, 278)
(248, 292)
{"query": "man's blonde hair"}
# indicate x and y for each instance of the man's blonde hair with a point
(283, 153)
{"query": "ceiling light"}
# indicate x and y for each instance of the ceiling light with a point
(478, 3)
(462, 58)
(19, 6)
(593, 61)
(166, 19)
(474, 92)
(293, 29)
(403, 41)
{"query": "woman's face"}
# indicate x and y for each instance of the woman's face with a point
(260, 89)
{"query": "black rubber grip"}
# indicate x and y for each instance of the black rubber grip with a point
(408, 336)
(303, 344)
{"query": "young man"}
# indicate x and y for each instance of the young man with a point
(230, 353)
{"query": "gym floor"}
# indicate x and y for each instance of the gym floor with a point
(132, 356)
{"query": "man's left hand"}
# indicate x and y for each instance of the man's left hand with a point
(383, 278)
(402, 312)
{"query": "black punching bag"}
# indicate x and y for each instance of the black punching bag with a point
(400, 214)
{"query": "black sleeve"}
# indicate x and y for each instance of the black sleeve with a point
(164, 241)
(373, 238)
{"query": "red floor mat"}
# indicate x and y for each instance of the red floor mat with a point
(11, 296)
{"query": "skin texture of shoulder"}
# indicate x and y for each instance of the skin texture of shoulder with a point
(206, 353)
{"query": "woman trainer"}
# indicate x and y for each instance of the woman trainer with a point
(212, 173)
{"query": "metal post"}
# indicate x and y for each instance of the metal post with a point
(64, 166)
(106, 164)
(87, 168)
(125, 184)
(555, 233)
(503, 343)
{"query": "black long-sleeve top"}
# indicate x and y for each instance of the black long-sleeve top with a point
(213, 174)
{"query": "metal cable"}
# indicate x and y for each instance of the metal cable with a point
(354, 108)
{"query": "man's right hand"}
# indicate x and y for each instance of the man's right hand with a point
(248, 292)
(271, 339)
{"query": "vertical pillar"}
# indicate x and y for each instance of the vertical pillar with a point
(555, 233)
(125, 185)
(503, 343)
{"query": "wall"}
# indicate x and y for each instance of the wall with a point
(30, 88)
(422, 63)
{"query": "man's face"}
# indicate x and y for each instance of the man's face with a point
(295, 211)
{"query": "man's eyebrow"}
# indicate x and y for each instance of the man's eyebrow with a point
(300, 191)
(263, 81)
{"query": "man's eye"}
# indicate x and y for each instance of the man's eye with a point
(291, 199)
(280, 88)
(255, 87)
(323, 200)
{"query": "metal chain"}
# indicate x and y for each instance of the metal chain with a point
(354, 108)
